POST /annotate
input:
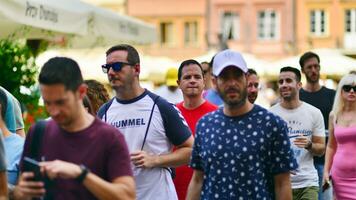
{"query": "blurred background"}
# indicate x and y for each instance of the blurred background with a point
(270, 33)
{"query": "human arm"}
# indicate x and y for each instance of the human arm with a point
(330, 150)
(3, 185)
(3, 178)
(316, 145)
(177, 158)
(18, 118)
(120, 188)
(195, 185)
(282, 186)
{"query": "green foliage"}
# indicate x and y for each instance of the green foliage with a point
(18, 70)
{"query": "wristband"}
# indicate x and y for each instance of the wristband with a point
(83, 174)
(309, 145)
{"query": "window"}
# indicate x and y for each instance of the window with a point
(230, 26)
(166, 33)
(268, 25)
(190, 33)
(317, 22)
(350, 21)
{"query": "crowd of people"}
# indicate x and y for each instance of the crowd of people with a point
(211, 142)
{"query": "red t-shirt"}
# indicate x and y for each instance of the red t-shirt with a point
(184, 173)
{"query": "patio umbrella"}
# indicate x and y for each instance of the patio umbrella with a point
(70, 22)
(332, 62)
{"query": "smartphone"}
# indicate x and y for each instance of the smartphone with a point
(31, 165)
(326, 185)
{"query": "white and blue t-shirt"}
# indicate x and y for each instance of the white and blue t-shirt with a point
(241, 155)
(167, 128)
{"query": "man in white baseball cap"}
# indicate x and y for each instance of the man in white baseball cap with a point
(228, 58)
(239, 144)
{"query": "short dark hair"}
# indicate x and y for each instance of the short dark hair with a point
(206, 63)
(88, 106)
(61, 70)
(294, 70)
(306, 56)
(251, 71)
(188, 62)
(3, 103)
(132, 54)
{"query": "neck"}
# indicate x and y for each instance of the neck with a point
(191, 103)
(233, 111)
(349, 107)
(82, 121)
(4, 130)
(291, 104)
(129, 92)
(312, 87)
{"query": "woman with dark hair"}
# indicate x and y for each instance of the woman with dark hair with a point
(340, 161)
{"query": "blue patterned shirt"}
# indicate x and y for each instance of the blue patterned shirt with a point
(240, 155)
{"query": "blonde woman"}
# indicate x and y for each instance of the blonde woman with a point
(340, 160)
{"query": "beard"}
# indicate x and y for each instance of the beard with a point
(314, 79)
(235, 102)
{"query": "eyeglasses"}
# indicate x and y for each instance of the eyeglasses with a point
(347, 88)
(116, 66)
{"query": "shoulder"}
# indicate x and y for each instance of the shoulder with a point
(210, 106)
(268, 114)
(328, 90)
(217, 113)
(275, 108)
(309, 107)
(103, 109)
(306, 107)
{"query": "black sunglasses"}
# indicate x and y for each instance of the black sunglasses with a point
(347, 88)
(116, 66)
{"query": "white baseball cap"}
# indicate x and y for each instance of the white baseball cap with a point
(228, 58)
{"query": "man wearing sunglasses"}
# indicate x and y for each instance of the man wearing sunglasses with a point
(320, 97)
(150, 124)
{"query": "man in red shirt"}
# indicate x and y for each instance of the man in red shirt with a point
(193, 107)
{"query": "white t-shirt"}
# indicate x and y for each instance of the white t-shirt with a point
(308, 121)
(172, 97)
(167, 128)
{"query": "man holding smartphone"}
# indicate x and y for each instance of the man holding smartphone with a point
(86, 158)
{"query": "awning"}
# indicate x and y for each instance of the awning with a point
(70, 22)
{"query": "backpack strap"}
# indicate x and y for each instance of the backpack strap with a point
(37, 138)
(149, 121)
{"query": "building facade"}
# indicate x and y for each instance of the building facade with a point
(261, 27)
(180, 25)
(326, 24)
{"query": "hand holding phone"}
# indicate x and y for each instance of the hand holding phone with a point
(31, 165)
(326, 184)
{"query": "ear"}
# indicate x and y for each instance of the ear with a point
(302, 70)
(82, 90)
(178, 83)
(214, 81)
(137, 69)
(300, 84)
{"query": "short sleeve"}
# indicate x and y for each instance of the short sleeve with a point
(196, 159)
(176, 127)
(18, 114)
(319, 127)
(282, 157)
(118, 157)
